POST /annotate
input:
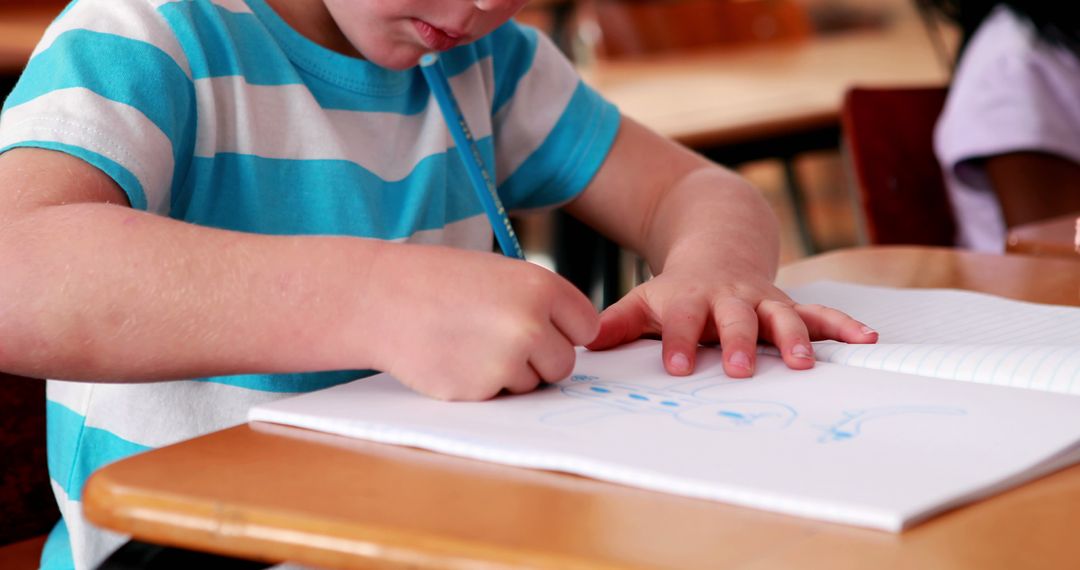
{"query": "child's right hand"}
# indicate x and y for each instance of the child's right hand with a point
(464, 325)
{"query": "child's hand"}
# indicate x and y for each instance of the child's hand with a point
(463, 325)
(688, 306)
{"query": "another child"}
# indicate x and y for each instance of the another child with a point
(1009, 137)
(257, 198)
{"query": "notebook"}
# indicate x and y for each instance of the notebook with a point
(967, 395)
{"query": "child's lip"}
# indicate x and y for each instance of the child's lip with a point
(437, 38)
(452, 33)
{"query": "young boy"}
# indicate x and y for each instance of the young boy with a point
(256, 193)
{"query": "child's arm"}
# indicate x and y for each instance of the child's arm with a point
(94, 290)
(1033, 186)
(711, 239)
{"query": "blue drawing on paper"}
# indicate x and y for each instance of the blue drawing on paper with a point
(696, 403)
(851, 425)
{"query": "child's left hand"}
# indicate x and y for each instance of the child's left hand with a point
(689, 305)
(713, 241)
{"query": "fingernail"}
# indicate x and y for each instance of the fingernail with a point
(868, 330)
(740, 359)
(680, 363)
(801, 351)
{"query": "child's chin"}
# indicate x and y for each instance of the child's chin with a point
(398, 60)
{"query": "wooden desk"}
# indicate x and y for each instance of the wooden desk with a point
(773, 101)
(1056, 237)
(1023, 277)
(272, 492)
(727, 96)
(20, 29)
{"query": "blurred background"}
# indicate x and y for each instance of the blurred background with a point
(828, 106)
(757, 85)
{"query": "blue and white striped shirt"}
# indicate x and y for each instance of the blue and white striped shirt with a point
(216, 112)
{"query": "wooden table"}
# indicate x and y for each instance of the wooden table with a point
(272, 493)
(1023, 277)
(772, 101)
(725, 96)
(1056, 237)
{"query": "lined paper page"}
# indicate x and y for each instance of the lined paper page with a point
(958, 335)
(836, 443)
(1049, 368)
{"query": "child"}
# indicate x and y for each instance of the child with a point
(260, 195)
(1009, 136)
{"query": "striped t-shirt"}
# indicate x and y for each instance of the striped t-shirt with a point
(216, 112)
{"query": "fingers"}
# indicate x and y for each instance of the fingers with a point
(682, 324)
(782, 325)
(529, 359)
(737, 324)
(537, 346)
(552, 358)
(573, 314)
(825, 323)
(524, 380)
(621, 323)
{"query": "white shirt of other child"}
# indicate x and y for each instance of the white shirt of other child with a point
(1012, 92)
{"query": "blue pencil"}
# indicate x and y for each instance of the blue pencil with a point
(470, 155)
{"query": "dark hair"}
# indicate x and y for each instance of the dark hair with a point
(1056, 22)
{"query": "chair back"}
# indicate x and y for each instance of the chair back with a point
(889, 138)
(628, 28)
(26, 497)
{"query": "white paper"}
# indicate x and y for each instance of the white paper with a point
(837, 443)
(947, 316)
(957, 335)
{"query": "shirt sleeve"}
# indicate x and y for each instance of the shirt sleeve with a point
(1009, 100)
(109, 84)
(552, 132)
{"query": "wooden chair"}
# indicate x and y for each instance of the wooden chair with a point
(26, 498)
(889, 136)
(27, 506)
